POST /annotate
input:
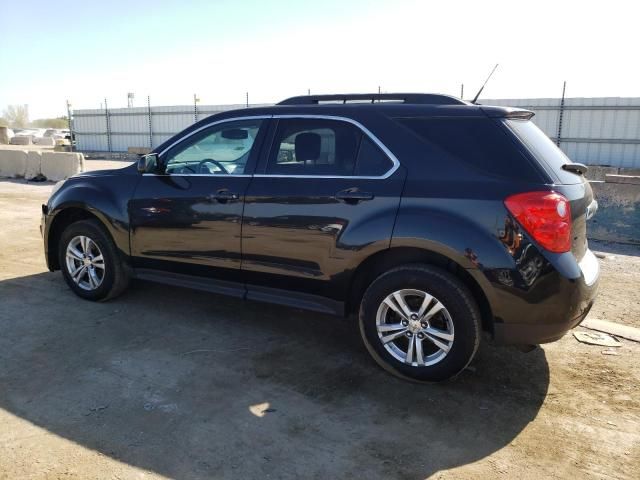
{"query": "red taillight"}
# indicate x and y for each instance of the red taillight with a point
(545, 216)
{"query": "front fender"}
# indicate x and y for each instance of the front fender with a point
(105, 197)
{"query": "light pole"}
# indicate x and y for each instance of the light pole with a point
(195, 107)
(70, 124)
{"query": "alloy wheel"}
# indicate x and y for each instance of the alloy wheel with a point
(85, 263)
(415, 327)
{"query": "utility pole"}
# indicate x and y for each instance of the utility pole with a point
(108, 122)
(247, 99)
(195, 107)
(462, 91)
(149, 119)
(69, 123)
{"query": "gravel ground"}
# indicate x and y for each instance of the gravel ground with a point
(167, 382)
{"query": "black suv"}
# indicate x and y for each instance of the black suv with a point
(431, 218)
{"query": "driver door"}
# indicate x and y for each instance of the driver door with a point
(187, 220)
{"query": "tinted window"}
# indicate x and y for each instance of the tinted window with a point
(314, 147)
(475, 141)
(543, 149)
(223, 149)
(372, 162)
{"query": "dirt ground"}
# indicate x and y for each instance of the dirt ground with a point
(167, 382)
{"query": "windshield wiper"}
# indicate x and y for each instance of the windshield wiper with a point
(579, 168)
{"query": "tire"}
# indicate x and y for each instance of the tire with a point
(448, 339)
(105, 283)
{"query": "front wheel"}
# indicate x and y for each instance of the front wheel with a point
(420, 323)
(90, 262)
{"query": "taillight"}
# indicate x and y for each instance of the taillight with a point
(545, 216)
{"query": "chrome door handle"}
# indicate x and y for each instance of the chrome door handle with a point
(353, 196)
(223, 196)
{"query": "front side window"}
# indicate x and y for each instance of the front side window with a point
(221, 150)
(314, 147)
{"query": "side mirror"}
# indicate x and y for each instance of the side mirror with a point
(148, 163)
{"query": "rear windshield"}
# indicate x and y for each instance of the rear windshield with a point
(543, 149)
(476, 141)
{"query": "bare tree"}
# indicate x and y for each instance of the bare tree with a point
(17, 115)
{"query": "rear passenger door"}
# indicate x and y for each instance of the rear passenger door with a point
(323, 198)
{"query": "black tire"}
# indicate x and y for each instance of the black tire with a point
(450, 292)
(116, 277)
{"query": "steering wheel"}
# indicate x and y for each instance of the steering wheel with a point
(200, 166)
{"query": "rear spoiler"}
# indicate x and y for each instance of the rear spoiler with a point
(507, 112)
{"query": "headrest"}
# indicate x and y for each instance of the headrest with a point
(307, 147)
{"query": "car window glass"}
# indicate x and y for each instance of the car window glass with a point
(221, 150)
(371, 162)
(314, 147)
(477, 142)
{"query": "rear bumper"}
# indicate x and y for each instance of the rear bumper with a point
(570, 304)
(535, 334)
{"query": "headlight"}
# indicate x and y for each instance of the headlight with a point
(56, 187)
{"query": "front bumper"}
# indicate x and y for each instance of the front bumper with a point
(578, 297)
(44, 232)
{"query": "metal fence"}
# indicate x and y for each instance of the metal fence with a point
(117, 129)
(595, 131)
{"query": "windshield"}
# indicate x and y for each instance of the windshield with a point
(543, 149)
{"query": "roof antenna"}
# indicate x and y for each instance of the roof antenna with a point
(475, 99)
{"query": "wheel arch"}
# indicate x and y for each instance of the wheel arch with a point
(382, 261)
(60, 222)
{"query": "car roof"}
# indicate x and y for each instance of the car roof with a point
(359, 107)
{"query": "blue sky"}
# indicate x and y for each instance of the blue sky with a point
(86, 51)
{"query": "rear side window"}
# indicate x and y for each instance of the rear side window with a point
(322, 147)
(543, 149)
(478, 142)
(314, 147)
(372, 162)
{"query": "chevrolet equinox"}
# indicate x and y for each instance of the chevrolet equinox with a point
(430, 218)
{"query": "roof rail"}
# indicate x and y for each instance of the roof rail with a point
(408, 98)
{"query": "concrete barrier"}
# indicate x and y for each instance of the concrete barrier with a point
(21, 140)
(44, 141)
(60, 165)
(618, 216)
(139, 150)
(13, 163)
(34, 164)
(31, 163)
(4, 136)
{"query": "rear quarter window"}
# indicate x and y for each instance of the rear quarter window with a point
(543, 149)
(477, 142)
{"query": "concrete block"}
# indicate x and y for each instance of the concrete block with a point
(4, 136)
(61, 165)
(44, 141)
(34, 161)
(618, 216)
(634, 180)
(21, 140)
(139, 150)
(596, 172)
(82, 162)
(13, 163)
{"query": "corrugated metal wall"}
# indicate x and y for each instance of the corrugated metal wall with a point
(95, 131)
(595, 131)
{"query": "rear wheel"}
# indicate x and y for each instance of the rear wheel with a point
(420, 323)
(90, 263)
